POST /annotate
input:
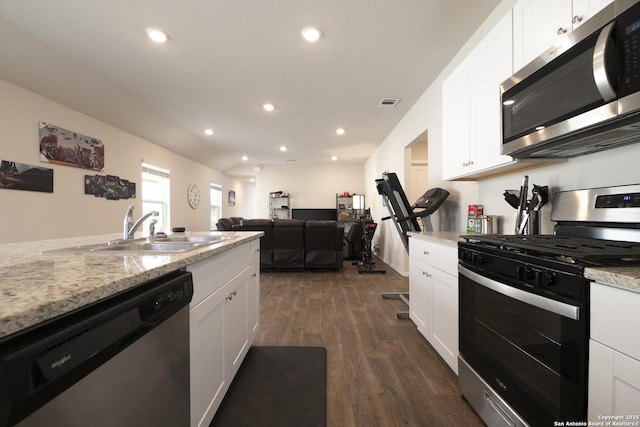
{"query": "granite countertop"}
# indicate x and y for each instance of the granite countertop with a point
(449, 238)
(36, 286)
(623, 277)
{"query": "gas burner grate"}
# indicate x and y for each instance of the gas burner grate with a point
(572, 250)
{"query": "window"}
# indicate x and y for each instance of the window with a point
(155, 194)
(216, 203)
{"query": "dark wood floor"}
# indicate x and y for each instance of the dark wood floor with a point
(380, 369)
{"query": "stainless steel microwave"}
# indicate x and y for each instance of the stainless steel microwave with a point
(580, 96)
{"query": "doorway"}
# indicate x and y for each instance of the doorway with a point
(417, 167)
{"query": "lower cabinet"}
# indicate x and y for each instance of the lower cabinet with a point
(224, 320)
(614, 355)
(433, 301)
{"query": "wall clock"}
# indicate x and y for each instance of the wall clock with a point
(193, 195)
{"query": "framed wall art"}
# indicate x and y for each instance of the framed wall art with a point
(64, 147)
(110, 187)
(20, 176)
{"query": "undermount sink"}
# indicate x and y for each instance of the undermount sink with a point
(190, 239)
(169, 244)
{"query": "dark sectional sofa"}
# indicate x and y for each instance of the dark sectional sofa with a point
(294, 244)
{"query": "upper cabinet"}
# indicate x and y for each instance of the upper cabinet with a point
(471, 122)
(471, 106)
(538, 24)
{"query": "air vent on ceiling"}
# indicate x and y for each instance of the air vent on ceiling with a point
(388, 102)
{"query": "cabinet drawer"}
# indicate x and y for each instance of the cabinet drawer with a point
(254, 247)
(212, 273)
(440, 256)
(614, 382)
(614, 318)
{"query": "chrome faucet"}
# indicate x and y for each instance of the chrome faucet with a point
(129, 226)
(152, 228)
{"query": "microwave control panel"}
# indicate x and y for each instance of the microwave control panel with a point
(628, 24)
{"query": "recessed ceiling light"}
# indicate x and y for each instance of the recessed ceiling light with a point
(311, 34)
(157, 35)
(283, 148)
(268, 107)
(340, 131)
(245, 158)
(208, 132)
(334, 158)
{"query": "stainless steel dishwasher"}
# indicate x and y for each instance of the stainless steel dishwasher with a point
(123, 361)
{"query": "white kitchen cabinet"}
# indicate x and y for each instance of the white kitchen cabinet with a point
(538, 24)
(224, 318)
(420, 295)
(254, 297)
(471, 106)
(614, 353)
(433, 287)
(456, 121)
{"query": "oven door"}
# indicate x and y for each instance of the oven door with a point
(531, 349)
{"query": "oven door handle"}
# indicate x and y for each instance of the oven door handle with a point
(557, 307)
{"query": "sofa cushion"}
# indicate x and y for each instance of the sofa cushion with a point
(266, 241)
(323, 244)
(289, 245)
(288, 223)
(224, 224)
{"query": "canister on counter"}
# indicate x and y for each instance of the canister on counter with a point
(474, 211)
(484, 224)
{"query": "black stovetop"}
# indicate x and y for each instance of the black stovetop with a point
(585, 252)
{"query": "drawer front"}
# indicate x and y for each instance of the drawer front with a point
(211, 273)
(614, 318)
(254, 247)
(440, 256)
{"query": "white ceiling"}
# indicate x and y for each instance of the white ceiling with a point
(228, 57)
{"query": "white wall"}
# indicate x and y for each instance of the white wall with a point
(309, 185)
(68, 211)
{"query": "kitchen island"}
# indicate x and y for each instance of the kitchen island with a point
(36, 286)
(47, 280)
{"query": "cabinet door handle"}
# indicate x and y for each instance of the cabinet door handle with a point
(257, 250)
(576, 19)
(426, 252)
(426, 274)
(561, 31)
(254, 275)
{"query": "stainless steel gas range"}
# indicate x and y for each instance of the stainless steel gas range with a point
(524, 307)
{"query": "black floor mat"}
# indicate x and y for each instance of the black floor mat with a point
(277, 386)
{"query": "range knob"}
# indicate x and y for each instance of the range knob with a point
(476, 259)
(544, 278)
(524, 272)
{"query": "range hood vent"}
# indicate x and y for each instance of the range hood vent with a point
(616, 133)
